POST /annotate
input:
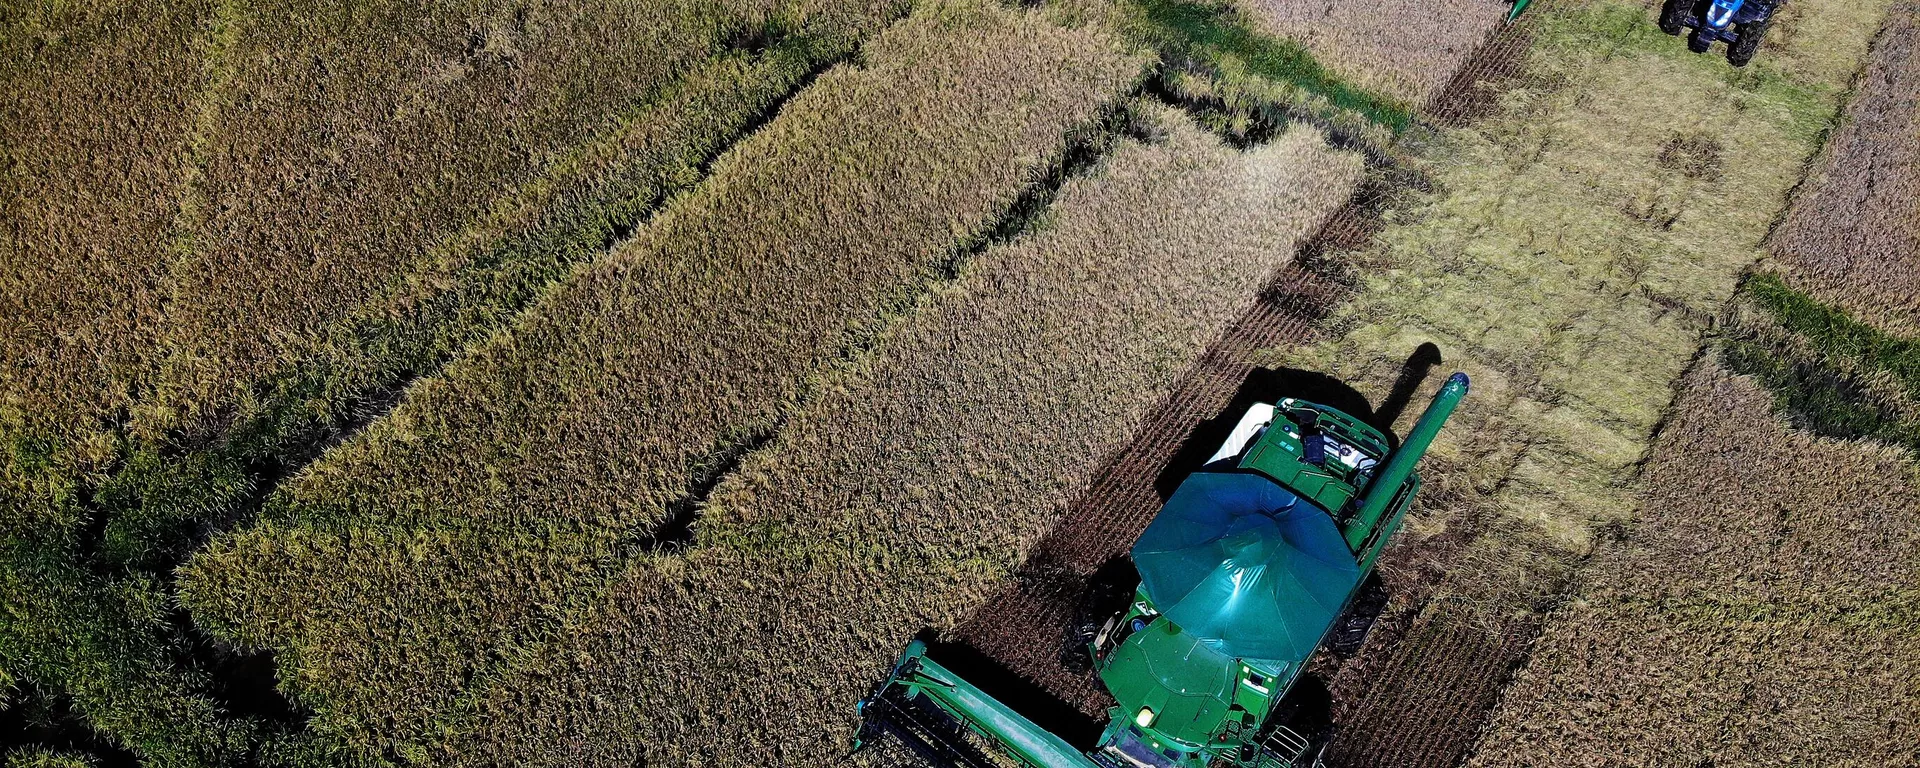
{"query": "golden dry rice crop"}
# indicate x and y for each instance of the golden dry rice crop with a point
(1762, 613)
(901, 496)
(352, 140)
(1853, 235)
(494, 494)
(1408, 51)
(96, 118)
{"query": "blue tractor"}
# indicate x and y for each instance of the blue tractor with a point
(1741, 24)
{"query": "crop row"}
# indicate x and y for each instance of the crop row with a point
(1854, 234)
(499, 490)
(353, 142)
(1763, 612)
(910, 488)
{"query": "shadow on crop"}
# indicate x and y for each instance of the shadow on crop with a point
(1023, 696)
(35, 718)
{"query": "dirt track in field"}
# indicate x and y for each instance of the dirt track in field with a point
(1475, 88)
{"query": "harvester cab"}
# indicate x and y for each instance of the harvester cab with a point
(1243, 573)
(1741, 24)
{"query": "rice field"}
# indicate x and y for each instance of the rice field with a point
(89, 209)
(1761, 613)
(600, 383)
(949, 450)
(500, 491)
(1570, 261)
(350, 144)
(1408, 52)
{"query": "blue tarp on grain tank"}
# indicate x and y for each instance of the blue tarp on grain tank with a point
(1254, 570)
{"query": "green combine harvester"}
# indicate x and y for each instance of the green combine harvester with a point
(1243, 573)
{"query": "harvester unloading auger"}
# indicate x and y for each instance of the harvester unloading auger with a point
(1243, 573)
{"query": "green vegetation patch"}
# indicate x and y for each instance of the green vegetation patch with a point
(1835, 332)
(1829, 372)
(1244, 62)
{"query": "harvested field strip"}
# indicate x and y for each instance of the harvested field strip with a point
(1853, 235)
(906, 492)
(1214, 57)
(497, 494)
(1408, 52)
(1474, 90)
(1578, 262)
(1763, 612)
(1568, 255)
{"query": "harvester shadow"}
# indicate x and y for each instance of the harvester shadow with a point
(1418, 367)
(1023, 696)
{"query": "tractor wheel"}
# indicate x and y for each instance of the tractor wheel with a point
(1748, 44)
(1671, 16)
(1698, 43)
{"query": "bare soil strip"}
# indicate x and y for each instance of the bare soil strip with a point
(1475, 89)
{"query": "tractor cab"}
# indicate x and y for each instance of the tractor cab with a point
(1741, 24)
